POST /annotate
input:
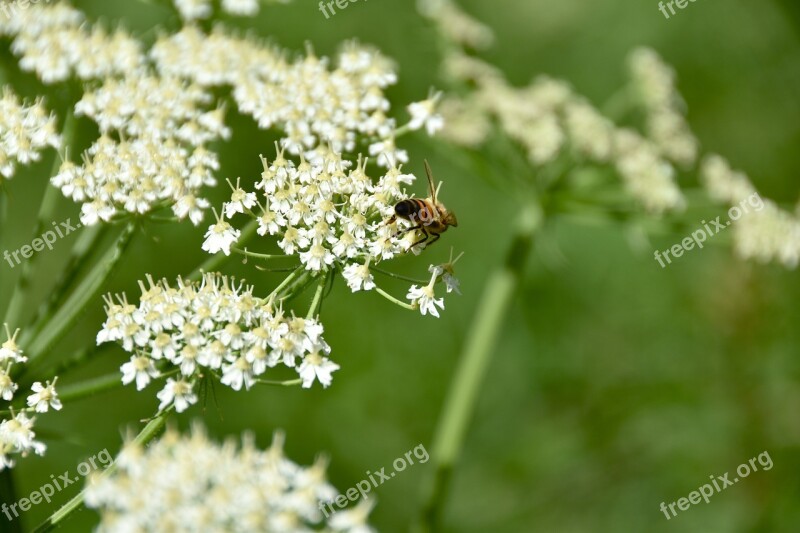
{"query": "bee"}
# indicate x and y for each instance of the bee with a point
(427, 215)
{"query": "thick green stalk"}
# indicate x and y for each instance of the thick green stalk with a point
(84, 245)
(150, 432)
(90, 387)
(88, 290)
(47, 210)
(462, 397)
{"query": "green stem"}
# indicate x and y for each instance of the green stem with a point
(287, 281)
(394, 300)
(462, 396)
(290, 383)
(150, 432)
(84, 245)
(68, 314)
(90, 387)
(47, 210)
(398, 276)
(317, 301)
(255, 255)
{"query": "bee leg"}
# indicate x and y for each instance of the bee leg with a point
(425, 237)
(419, 226)
(436, 237)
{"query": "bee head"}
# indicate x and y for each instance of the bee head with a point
(450, 219)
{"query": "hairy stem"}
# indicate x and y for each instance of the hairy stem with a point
(462, 396)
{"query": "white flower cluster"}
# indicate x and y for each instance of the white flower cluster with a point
(53, 41)
(25, 130)
(138, 175)
(160, 161)
(189, 484)
(313, 105)
(664, 107)
(547, 119)
(190, 10)
(455, 24)
(331, 217)
(214, 327)
(323, 212)
(17, 437)
(768, 234)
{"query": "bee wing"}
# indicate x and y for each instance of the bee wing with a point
(432, 189)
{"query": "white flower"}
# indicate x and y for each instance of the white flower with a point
(179, 393)
(25, 130)
(358, 277)
(424, 114)
(315, 366)
(425, 299)
(220, 237)
(17, 438)
(7, 386)
(44, 397)
(240, 200)
(238, 374)
(140, 369)
(193, 9)
(189, 483)
(242, 8)
(9, 351)
(353, 520)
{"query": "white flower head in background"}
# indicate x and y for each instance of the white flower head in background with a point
(26, 129)
(175, 485)
(425, 114)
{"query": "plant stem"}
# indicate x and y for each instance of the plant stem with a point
(19, 294)
(255, 255)
(90, 387)
(394, 300)
(213, 263)
(287, 281)
(290, 383)
(150, 431)
(84, 245)
(317, 301)
(462, 396)
(68, 314)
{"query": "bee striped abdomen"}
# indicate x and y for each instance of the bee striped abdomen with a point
(411, 209)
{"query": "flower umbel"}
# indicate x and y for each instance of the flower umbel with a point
(189, 483)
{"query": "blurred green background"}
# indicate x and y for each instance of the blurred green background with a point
(616, 385)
